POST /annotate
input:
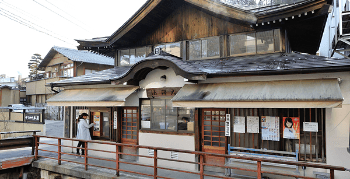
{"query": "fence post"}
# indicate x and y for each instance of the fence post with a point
(201, 158)
(259, 169)
(33, 145)
(36, 147)
(332, 174)
(86, 159)
(59, 151)
(155, 173)
(117, 159)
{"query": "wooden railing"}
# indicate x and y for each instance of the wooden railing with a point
(155, 157)
(18, 142)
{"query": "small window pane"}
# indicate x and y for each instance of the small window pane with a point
(173, 49)
(242, 44)
(213, 47)
(264, 41)
(124, 57)
(204, 49)
(277, 34)
(207, 112)
(132, 56)
(222, 112)
(194, 50)
(140, 54)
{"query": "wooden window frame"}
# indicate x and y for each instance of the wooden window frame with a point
(221, 39)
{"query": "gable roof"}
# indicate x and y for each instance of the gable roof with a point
(268, 64)
(78, 56)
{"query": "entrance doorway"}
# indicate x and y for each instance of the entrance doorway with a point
(129, 130)
(213, 134)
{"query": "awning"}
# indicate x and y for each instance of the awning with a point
(320, 93)
(91, 97)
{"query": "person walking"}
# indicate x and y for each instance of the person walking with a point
(83, 132)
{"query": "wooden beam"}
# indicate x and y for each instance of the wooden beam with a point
(226, 11)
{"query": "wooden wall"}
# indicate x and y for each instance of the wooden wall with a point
(188, 22)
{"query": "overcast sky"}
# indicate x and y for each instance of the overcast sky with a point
(34, 26)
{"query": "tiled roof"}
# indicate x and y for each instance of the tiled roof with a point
(78, 55)
(277, 63)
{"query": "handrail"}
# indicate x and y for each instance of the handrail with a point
(199, 153)
(14, 132)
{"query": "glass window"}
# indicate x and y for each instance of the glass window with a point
(204, 48)
(131, 56)
(252, 43)
(89, 71)
(185, 119)
(163, 114)
(124, 57)
(146, 114)
(264, 41)
(171, 48)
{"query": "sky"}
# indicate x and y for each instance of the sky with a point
(28, 27)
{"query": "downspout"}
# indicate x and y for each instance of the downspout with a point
(53, 89)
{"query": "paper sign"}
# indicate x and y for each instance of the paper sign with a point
(115, 117)
(310, 126)
(227, 125)
(239, 124)
(270, 128)
(291, 128)
(252, 124)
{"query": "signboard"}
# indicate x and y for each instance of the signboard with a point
(32, 117)
(115, 122)
(310, 126)
(227, 125)
(162, 92)
(252, 124)
(270, 128)
(239, 124)
(291, 128)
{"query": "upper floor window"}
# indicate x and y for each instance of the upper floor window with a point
(131, 56)
(255, 43)
(204, 48)
(67, 70)
(171, 48)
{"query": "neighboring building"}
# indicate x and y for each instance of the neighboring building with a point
(9, 95)
(181, 66)
(62, 63)
(8, 81)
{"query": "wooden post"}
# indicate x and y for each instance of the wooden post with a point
(117, 159)
(36, 147)
(86, 159)
(59, 151)
(332, 174)
(33, 145)
(201, 166)
(259, 169)
(155, 173)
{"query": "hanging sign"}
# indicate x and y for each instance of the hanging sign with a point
(227, 125)
(162, 92)
(115, 117)
(310, 126)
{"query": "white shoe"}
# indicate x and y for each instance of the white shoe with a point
(82, 157)
(77, 157)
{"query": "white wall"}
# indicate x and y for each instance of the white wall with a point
(182, 142)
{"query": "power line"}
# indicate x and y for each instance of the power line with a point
(16, 16)
(66, 13)
(21, 11)
(29, 26)
(60, 15)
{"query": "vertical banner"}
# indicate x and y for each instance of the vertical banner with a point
(291, 127)
(227, 125)
(252, 124)
(115, 122)
(239, 124)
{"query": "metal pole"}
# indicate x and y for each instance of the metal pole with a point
(36, 147)
(259, 169)
(332, 174)
(59, 151)
(117, 159)
(155, 173)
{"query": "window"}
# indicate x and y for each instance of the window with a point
(89, 71)
(171, 48)
(204, 48)
(67, 70)
(131, 56)
(158, 114)
(270, 131)
(257, 42)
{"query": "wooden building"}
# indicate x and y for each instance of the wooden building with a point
(184, 68)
